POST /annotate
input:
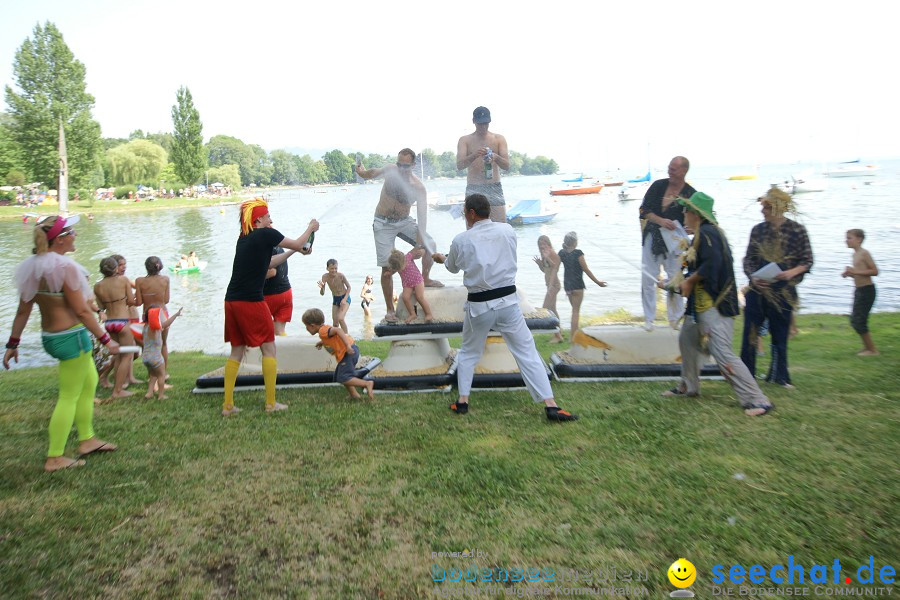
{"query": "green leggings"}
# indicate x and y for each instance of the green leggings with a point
(77, 384)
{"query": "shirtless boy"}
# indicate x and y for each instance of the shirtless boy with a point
(862, 272)
(477, 150)
(340, 292)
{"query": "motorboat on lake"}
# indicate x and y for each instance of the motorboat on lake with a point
(528, 212)
(571, 189)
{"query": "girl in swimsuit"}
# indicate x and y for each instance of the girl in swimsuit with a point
(113, 294)
(548, 262)
(152, 291)
(133, 316)
(59, 286)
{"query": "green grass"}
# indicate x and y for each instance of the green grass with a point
(342, 499)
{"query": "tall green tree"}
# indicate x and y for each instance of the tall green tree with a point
(340, 166)
(53, 90)
(188, 152)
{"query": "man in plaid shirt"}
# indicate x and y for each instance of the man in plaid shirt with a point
(784, 242)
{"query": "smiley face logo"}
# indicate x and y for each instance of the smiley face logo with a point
(682, 573)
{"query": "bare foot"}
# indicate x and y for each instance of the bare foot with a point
(106, 384)
(429, 317)
(57, 463)
(557, 340)
(868, 353)
(354, 395)
(122, 394)
(148, 395)
(163, 397)
(230, 411)
(433, 283)
(135, 381)
(370, 387)
(276, 407)
(410, 319)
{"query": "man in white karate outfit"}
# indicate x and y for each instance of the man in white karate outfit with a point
(486, 253)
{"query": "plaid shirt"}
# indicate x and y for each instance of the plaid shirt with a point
(787, 245)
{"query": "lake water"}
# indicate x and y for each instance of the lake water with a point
(608, 231)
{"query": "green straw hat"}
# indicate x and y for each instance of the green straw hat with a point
(701, 204)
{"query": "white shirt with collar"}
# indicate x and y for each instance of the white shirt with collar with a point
(486, 254)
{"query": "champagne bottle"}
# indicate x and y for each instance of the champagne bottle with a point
(488, 165)
(308, 245)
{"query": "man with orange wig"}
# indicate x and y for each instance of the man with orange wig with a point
(248, 322)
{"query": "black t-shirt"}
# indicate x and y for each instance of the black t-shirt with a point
(279, 283)
(573, 274)
(252, 254)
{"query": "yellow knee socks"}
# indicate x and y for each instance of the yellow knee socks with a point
(231, 371)
(270, 372)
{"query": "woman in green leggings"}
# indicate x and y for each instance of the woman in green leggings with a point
(61, 290)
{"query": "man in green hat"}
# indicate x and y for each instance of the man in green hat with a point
(711, 307)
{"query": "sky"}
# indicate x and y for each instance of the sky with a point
(593, 85)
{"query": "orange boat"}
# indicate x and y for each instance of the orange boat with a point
(577, 188)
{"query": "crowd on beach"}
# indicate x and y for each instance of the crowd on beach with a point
(94, 330)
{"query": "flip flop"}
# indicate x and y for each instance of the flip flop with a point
(391, 318)
(74, 464)
(677, 392)
(766, 409)
(104, 447)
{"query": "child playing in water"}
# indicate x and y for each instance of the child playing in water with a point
(366, 297)
(412, 280)
(340, 291)
(344, 349)
(574, 266)
(193, 260)
(862, 272)
(158, 321)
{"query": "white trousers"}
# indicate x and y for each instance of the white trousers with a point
(650, 264)
(510, 323)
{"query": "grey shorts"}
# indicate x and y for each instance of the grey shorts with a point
(346, 368)
(387, 229)
(492, 191)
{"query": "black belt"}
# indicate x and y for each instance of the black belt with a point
(492, 294)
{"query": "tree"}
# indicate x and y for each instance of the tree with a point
(340, 166)
(227, 150)
(188, 152)
(284, 169)
(11, 160)
(138, 161)
(230, 175)
(309, 171)
(53, 90)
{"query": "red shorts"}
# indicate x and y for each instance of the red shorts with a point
(281, 306)
(248, 323)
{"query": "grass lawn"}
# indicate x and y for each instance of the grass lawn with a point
(346, 499)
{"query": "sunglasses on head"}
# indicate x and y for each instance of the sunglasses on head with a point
(66, 232)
